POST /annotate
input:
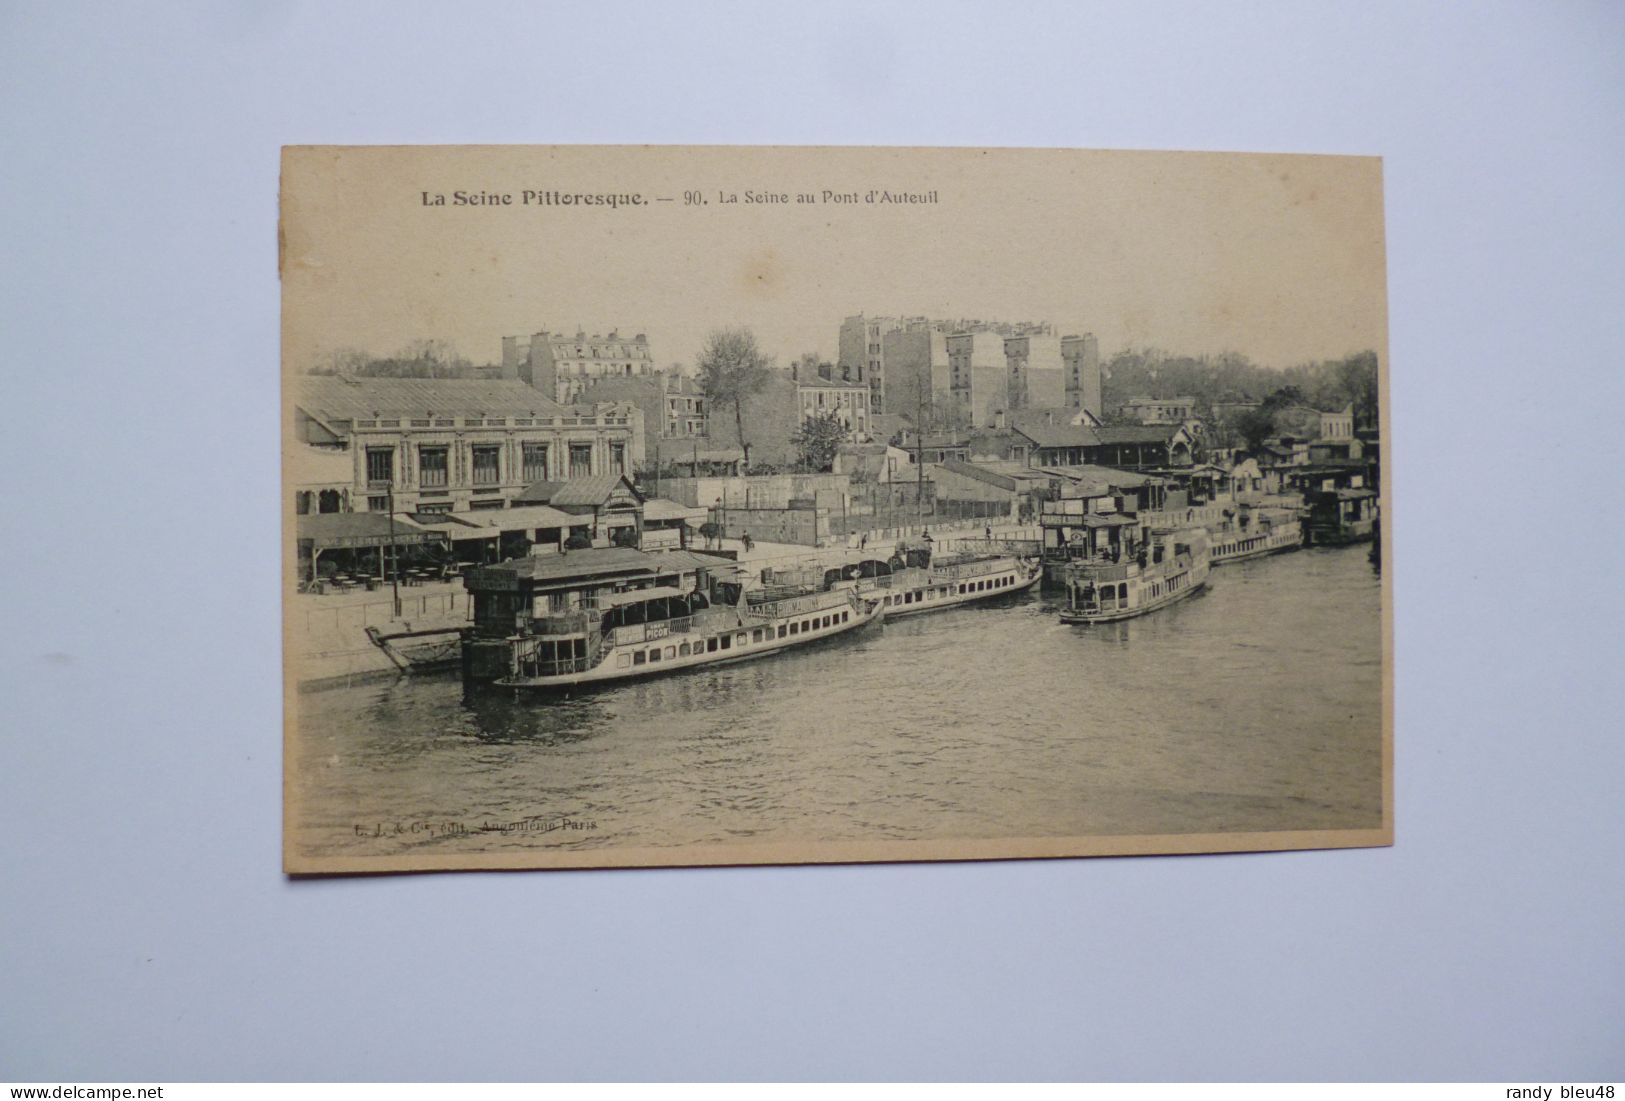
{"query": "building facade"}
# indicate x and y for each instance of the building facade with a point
(1160, 410)
(848, 400)
(1035, 371)
(563, 365)
(456, 445)
(673, 408)
(773, 416)
(1080, 361)
(978, 377)
(909, 363)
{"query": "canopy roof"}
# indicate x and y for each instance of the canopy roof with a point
(361, 529)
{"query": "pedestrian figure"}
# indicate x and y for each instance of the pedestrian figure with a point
(988, 531)
(745, 539)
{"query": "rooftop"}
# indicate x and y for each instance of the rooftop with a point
(580, 563)
(340, 398)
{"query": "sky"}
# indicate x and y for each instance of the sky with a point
(1277, 257)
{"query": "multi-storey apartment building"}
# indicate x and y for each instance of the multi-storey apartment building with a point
(456, 445)
(563, 365)
(911, 363)
(1080, 360)
(978, 374)
(674, 409)
(1035, 373)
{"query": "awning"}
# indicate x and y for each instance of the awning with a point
(327, 530)
(1112, 520)
(453, 527)
(637, 596)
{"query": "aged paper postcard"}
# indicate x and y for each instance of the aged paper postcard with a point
(679, 506)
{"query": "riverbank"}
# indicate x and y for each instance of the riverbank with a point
(329, 633)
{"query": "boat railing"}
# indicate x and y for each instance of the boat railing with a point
(789, 606)
(527, 664)
(1096, 570)
(565, 623)
(709, 621)
(976, 568)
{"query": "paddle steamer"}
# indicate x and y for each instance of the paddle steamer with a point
(600, 616)
(1136, 575)
(1252, 533)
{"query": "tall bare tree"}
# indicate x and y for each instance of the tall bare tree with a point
(732, 368)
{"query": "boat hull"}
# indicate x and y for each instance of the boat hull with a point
(1131, 613)
(1254, 546)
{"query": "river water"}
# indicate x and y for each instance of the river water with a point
(1255, 705)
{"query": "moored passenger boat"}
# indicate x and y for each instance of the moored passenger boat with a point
(1255, 532)
(916, 580)
(555, 623)
(1139, 575)
(1340, 516)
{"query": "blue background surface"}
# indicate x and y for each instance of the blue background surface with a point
(148, 934)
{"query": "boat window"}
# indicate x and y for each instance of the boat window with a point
(710, 645)
(795, 628)
(783, 630)
(623, 661)
(725, 641)
(741, 638)
(826, 621)
(756, 635)
(654, 655)
(682, 651)
(638, 657)
(1122, 591)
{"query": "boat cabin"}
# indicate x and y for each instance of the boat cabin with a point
(1342, 515)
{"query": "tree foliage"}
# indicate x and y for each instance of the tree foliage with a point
(731, 369)
(1220, 380)
(419, 359)
(818, 440)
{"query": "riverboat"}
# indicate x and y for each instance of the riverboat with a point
(1166, 567)
(1339, 516)
(914, 580)
(1254, 533)
(567, 624)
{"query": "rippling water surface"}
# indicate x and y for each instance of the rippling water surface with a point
(1255, 705)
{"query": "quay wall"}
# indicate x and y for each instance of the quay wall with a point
(328, 634)
(803, 526)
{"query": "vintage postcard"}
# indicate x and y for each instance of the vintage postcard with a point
(685, 506)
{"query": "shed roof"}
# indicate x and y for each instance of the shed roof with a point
(594, 490)
(580, 564)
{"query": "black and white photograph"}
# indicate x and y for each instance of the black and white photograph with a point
(688, 506)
